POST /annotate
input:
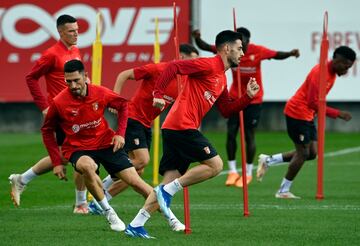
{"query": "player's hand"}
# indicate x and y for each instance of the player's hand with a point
(252, 88)
(112, 110)
(344, 115)
(60, 172)
(159, 103)
(295, 52)
(44, 112)
(196, 33)
(118, 142)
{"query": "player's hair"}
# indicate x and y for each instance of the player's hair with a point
(188, 49)
(345, 52)
(244, 32)
(64, 19)
(226, 36)
(73, 66)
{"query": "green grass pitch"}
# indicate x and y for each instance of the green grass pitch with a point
(45, 216)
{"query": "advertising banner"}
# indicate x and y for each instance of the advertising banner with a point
(28, 29)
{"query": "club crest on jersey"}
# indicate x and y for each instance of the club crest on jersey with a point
(252, 57)
(95, 106)
(301, 137)
(207, 150)
(136, 141)
(75, 128)
(74, 112)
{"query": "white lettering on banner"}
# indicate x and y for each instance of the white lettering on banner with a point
(336, 39)
(114, 33)
(142, 33)
(116, 57)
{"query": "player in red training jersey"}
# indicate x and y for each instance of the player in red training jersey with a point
(79, 112)
(182, 142)
(250, 66)
(51, 66)
(300, 111)
(141, 116)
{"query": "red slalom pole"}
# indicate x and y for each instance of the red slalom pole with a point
(185, 190)
(242, 139)
(322, 108)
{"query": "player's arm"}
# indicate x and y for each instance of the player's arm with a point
(201, 43)
(48, 130)
(313, 99)
(281, 55)
(41, 67)
(228, 106)
(121, 106)
(193, 67)
(121, 78)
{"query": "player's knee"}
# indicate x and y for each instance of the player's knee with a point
(86, 165)
(141, 163)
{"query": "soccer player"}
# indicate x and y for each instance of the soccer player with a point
(182, 142)
(51, 66)
(79, 112)
(250, 67)
(300, 111)
(141, 116)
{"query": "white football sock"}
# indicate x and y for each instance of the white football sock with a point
(285, 185)
(80, 197)
(107, 182)
(107, 195)
(232, 166)
(274, 159)
(104, 204)
(249, 168)
(27, 176)
(141, 218)
(173, 187)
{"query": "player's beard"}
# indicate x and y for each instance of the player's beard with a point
(233, 63)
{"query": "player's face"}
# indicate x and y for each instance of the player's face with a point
(235, 53)
(341, 65)
(69, 33)
(76, 83)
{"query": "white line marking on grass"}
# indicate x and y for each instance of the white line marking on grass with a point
(330, 154)
(203, 206)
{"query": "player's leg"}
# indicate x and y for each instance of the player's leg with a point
(181, 148)
(231, 146)
(19, 181)
(303, 135)
(136, 226)
(84, 163)
(251, 120)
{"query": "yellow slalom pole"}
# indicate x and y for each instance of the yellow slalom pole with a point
(96, 64)
(156, 126)
(97, 52)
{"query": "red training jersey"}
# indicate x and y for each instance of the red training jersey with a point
(51, 66)
(141, 105)
(83, 121)
(205, 84)
(304, 104)
(250, 66)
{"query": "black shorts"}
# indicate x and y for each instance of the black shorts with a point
(137, 136)
(181, 148)
(112, 162)
(60, 136)
(301, 131)
(251, 116)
